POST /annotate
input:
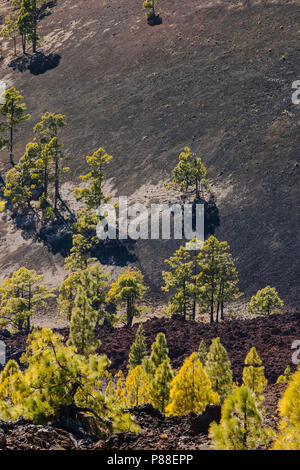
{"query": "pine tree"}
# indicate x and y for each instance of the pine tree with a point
(218, 279)
(286, 375)
(27, 22)
(24, 178)
(127, 289)
(11, 382)
(159, 351)
(265, 302)
(160, 386)
(55, 378)
(47, 132)
(80, 253)
(189, 173)
(190, 389)
(82, 326)
(202, 352)
(21, 296)
(116, 389)
(93, 280)
(178, 281)
(14, 114)
(137, 387)
(241, 425)
(17, 189)
(149, 6)
(218, 369)
(93, 195)
(11, 28)
(138, 349)
(289, 412)
(253, 375)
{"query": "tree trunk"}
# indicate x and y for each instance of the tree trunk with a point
(222, 310)
(56, 184)
(29, 308)
(15, 45)
(212, 306)
(24, 43)
(46, 181)
(217, 314)
(184, 302)
(11, 146)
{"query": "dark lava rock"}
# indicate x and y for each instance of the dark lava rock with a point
(199, 424)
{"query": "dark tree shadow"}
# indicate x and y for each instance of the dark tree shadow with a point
(117, 252)
(44, 11)
(211, 216)
(57, 237)
(154, 20)
(37, 64)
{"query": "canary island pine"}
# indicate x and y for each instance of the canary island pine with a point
(253, 375)
(191, 389)
(265, 302)
(160, 386)
(218, 369)
(241, 426)
(289, 412)
(138, 349)
(137, 387)
(56, 377)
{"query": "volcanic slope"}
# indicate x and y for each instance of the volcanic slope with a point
(215, 75)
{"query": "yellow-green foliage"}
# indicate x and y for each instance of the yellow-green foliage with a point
(137, 387)
(253, 374)
(217, 367)
(265, 302)
(93, 195)
(178, 281)
(241, 425)
(285, 377)
(56, 376)
(160, 386)
(289, 412)
(93, 280)
(138, 349)
(189, 173)
(149, 6)
(21, 296)
(190, 389)
(128, 288)
(116, 389)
